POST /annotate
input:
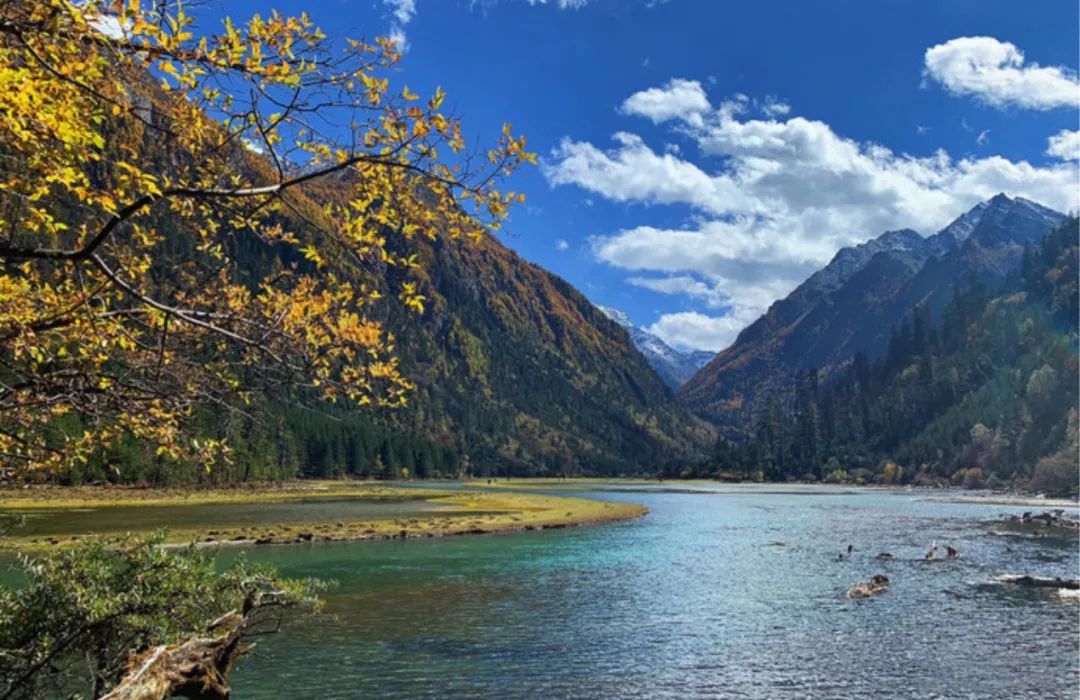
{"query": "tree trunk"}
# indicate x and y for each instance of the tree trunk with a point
(195, 668)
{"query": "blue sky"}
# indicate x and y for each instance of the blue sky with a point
(699, 159)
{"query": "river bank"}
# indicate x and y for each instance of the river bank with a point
(296, 512)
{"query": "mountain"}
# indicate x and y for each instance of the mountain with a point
(518, 370)
(986, 396)
(852, 305)
(515, 371)
(673, 366)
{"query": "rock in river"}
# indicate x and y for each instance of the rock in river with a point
(867, 589)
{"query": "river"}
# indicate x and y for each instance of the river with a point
(736, 592)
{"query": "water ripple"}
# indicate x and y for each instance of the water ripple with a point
(695, 600)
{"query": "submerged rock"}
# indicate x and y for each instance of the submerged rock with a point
(885, 556)
(877, 585)
(1040, 581)
(1050, 518)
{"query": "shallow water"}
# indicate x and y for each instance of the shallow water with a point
(736, 593)
(53, 522)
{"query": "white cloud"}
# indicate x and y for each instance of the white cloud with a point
(255, 146)
(403, 10)
(983, 138)
(678, 98)
(690, 329)
(634, 172)
(736, 302)
(774, 200)
(109, 25)
(561, 245)
(562, 4)
(683, 284)
(773, 107)
(397, 35)
(1064, 145)
(995, 72)
(717, 331)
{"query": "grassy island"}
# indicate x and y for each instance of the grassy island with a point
(424, 512)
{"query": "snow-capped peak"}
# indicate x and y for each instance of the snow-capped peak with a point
(673, 366)
(617, 316)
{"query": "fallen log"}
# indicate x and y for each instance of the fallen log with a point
(1039, 581)
(195, 668)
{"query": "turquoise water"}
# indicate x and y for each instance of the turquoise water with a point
(697, 599)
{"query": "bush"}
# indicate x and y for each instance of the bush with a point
(1057, 475)
(893, 473)
(836, 476)
(862, 476)
(69, 630)
(973, 478)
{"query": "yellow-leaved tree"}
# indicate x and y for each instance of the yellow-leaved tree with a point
(141, 154)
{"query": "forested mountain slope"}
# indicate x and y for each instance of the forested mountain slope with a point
(985, 396)
(518, 370)
(853, 304)
(515, 372)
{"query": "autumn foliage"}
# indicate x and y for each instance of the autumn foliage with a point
(139, 150)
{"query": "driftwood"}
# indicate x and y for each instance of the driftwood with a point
(196, 668)
(1040, 581)
(876, 585)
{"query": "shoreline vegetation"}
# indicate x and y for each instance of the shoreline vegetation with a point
(458, 512)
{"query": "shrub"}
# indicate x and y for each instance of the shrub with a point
(973, 478)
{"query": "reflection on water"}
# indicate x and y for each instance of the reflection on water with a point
(735, 594)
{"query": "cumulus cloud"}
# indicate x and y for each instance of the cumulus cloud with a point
(683, 284)
(690, 329)
(634, 172)
(732, 313)
(772, 201)
(678, 98)
(1064, 145)
(995, 72)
